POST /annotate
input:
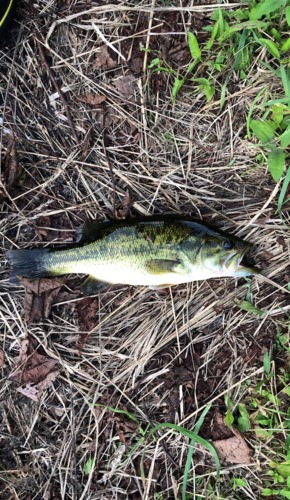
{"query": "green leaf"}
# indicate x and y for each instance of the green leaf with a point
(229, 419)
(283, 191)
(284, 469)
(248, 25)
(245, 305)
(187, 466)
(276, 161)
(89, 465)
(285, 493)
(154, 63)
(244, 423)
(267, 363)
(262, 130)
(267, 492)
(271, 46)
(195, 51)
(287, 12)
(178, 82)
(285, 80)
(286, 390)
(278, 112)
(238, 482)
(286, 45)
(214, 33)
(285, 138)
(191, 435)
(265, 8)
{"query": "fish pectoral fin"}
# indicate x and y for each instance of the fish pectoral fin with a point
(164, 266)
(92, 285)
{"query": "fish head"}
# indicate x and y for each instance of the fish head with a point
(226, 256)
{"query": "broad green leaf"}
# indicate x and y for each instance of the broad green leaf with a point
(266, 7)
(276, 161)
(286, 45)
(271, 46)
(244, 423)
(245, 305)
(283, 469)
(229, 419)
(195, 51)
(267, 363)
(262, 130)
(89, 466)
(278, 112)
(285, 493)
(238, 482)
(287, 12)
(285, 138)
(154, 63)
(267, 492)
(178, 82)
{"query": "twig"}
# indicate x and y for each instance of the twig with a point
(58, 89)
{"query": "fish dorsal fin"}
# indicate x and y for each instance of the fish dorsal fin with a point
(91, 231)
(164, 266)
(91, 286)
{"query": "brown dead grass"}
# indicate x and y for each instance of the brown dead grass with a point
(161, 356)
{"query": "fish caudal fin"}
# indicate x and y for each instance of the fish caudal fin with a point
(28, 263)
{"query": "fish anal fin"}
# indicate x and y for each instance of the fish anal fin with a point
(164, 266)
(92, 285)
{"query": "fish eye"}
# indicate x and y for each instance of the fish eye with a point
(227, 244)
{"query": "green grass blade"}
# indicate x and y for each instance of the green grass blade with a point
(285, 80)
(283, 191)
(191, 451)
(191, 435)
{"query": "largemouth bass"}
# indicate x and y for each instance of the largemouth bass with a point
(153, 251)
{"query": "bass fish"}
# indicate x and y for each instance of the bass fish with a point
(153, 251)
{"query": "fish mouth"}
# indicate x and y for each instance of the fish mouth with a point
(240, 264)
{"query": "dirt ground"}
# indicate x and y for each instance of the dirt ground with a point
(90, 131)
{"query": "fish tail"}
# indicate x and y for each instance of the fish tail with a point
(28, 263)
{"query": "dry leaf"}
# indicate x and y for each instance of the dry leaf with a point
(126, 86)
(40, 295)
(34, 371)
(103, 59)
(233, 450)
(92, 99)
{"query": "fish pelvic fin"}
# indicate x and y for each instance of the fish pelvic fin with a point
(28, 263)
(92, 285)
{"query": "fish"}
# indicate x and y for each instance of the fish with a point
(156, 251)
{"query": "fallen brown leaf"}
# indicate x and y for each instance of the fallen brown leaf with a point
(34, 371)
(40, 295)
(233, 450)
(126, 86)
(92, 99)
(103, 59)
(87, 311)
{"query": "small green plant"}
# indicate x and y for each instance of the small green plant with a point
(265, 413)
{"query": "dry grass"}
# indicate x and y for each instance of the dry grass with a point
(162, 357)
